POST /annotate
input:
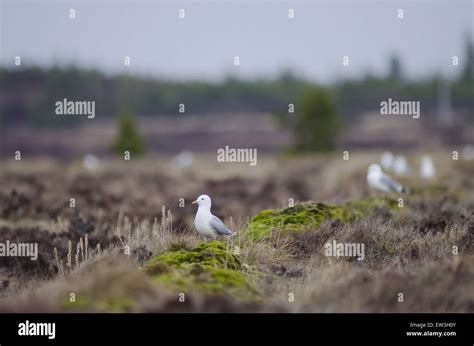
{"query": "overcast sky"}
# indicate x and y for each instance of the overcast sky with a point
(204, 43)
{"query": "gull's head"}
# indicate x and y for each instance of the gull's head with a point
(203, 200)
(375, 168)
(426, 158)
(387, 155)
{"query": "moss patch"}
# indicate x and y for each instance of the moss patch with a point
(209, 268)
(311, 215)
(117, 304)
(109, 304)
(365, 207)
(81, 303)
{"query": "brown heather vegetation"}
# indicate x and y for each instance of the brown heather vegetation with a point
(408, 250)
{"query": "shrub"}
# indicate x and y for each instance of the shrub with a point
(129, 138)
(317, 123)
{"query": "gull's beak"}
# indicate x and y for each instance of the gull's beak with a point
(194, 202)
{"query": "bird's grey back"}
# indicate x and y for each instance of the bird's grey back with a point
(391, 184)
(218, 226)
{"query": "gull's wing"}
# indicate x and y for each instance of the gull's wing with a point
(391, 184)
(218, 226)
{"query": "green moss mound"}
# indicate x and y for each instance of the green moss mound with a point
(365, 207)
(310, 215)
(209, 268)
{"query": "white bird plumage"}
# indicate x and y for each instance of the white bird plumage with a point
(400, 165)
(183, 159)
(378, 180)
(427, 169)
(90, 162)
(387, 160)
(208, 225)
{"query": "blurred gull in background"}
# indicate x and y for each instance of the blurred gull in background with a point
(183, 159)
(90, 162)
(378, 180)
(400, 165)
(387, 160)
(427, 169)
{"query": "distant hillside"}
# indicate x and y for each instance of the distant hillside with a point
(28, 95)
